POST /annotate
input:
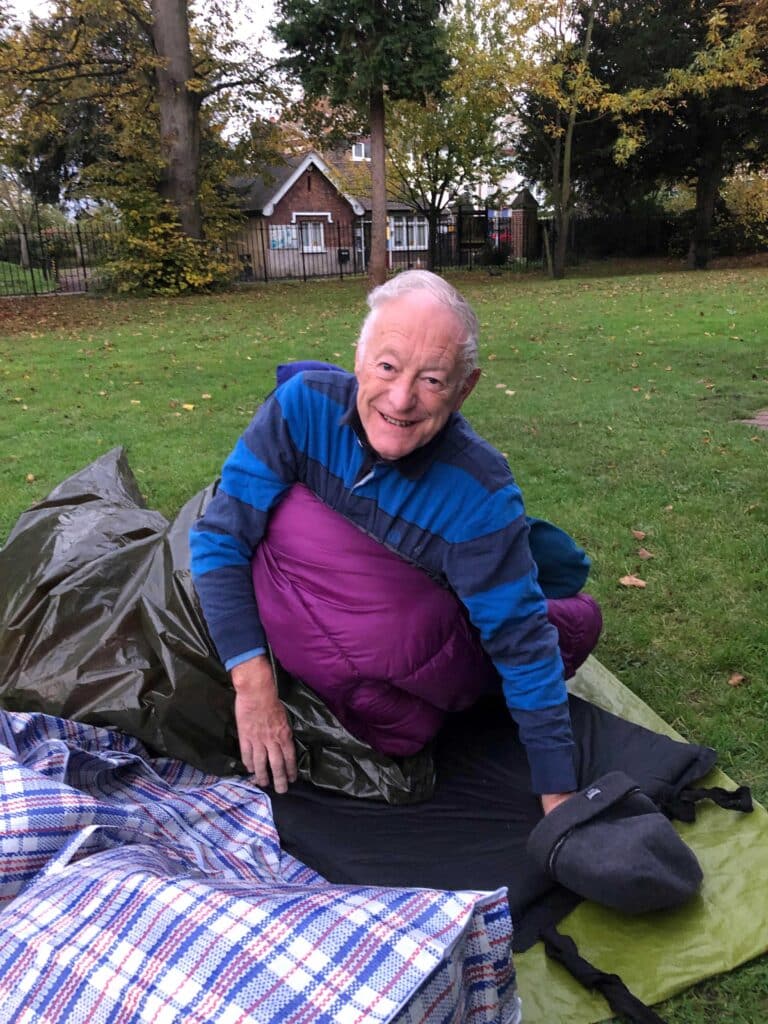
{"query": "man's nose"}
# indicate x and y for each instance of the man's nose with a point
(402, 393)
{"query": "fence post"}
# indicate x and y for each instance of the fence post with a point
(262, 230)
(81, 251)
(301, 250)
(338, 250)
(29, 259)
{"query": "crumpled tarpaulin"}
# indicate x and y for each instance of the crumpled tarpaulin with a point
(143, 890)
(99, 622)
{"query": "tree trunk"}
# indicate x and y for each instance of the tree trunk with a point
(707, 190)
(564, 201)
(562, 223)
(179, 108)
(377, 267)
(561, 198)
(24, 261)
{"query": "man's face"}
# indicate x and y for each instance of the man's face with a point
(409, 374)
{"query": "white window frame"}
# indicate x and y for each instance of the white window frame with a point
(361, 151)
(301, 218)
(312, 233)
(408, 232)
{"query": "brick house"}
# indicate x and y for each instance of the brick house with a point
(299, 220)
(311, 217)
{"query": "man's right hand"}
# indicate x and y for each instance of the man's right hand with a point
(263, 729)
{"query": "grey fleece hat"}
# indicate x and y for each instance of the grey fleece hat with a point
(610, 844)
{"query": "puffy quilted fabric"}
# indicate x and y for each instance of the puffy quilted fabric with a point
(388, 649)
(319, 578)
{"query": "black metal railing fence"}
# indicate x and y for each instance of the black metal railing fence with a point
(81, 257)
(39, 261)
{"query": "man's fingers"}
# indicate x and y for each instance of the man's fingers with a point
(289, 752)
(259, 766)
(279, 771)
(246, 755)
(266, 744)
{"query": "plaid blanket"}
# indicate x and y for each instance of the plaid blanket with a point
(139, 889)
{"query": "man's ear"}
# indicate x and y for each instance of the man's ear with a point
(466, 388)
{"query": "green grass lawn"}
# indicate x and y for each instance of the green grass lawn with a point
(615, 398)
(14, 280)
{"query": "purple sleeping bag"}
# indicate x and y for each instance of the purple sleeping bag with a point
(388, 649)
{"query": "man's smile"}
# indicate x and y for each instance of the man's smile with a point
(396, 423)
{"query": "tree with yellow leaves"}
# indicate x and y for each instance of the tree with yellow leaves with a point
(126, 101)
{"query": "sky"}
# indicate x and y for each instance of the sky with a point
(253, 19)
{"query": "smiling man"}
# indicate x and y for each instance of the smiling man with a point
(388, 449)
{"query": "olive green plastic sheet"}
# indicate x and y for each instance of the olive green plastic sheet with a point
(659, 955)
(99, 622)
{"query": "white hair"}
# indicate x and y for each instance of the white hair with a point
(424, 280)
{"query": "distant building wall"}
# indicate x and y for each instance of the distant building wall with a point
(313, 192)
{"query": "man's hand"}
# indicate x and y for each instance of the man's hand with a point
(549, 801)
(263, 729)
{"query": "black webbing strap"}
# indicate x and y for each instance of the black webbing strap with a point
(682, 805)
(621, 1001)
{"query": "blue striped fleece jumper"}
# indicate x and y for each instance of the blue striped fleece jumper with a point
(450, 507)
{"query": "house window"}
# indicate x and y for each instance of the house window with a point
(312, 236)
(408, 232)
(361, 151)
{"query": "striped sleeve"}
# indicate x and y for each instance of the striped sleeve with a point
(494, 575)
(264, 463)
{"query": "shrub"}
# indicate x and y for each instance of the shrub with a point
(162, 260)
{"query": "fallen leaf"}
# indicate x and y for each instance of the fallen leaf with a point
(188, 406)
(206, 395)
(508, 392)
(135, 401)
(644, 553)
(668, 508)
(501, 385)
(735, 679)
(31, 478)
(638, 534)
(633, 581)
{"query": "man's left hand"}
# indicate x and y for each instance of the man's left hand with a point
(549, 801)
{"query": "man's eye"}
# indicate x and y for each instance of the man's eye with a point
(433, 382)
(386, 367)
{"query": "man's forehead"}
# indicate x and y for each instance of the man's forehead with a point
(418, 317)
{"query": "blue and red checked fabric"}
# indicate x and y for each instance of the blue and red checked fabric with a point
(142, 890)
